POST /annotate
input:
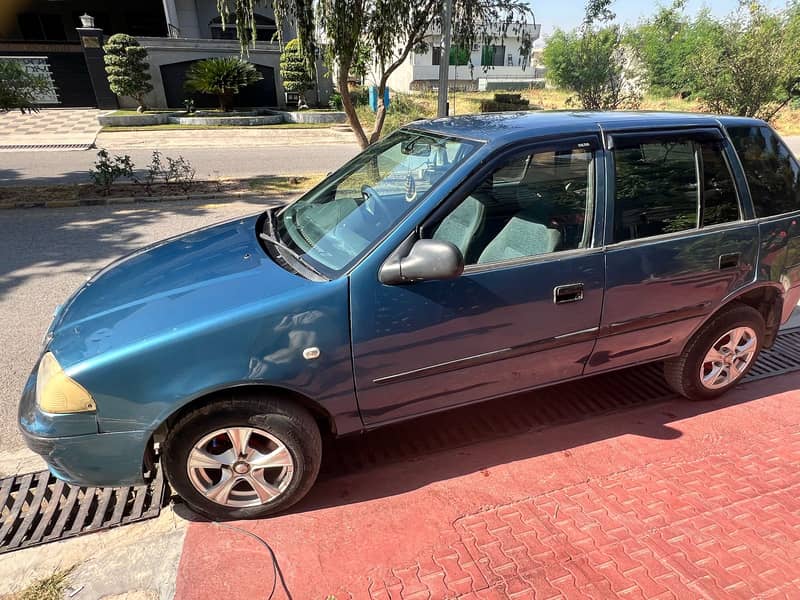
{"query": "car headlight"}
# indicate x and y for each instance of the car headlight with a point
(56, 392)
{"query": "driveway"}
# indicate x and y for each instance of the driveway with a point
(670, 500)
(48, 127)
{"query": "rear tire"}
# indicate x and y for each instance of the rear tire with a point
(243, 458)
(719, 355)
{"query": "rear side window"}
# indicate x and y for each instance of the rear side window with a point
(772, 173)
(665, 185)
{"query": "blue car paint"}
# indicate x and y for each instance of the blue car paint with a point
(210, 311)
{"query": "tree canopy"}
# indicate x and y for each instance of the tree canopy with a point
(126, 67)
(746, 64)
(392, 29)
(19, 88)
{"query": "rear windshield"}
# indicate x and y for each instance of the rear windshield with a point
(772, 172)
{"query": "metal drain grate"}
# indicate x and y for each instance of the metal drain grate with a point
(783, 357)
(43, 147)
(37, 508)
(531, 411)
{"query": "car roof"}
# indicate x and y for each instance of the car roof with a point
(511, 126)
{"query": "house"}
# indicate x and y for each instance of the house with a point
(48, 36)
(502, 65)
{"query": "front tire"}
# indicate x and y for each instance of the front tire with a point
(719, 355)
(243, 458)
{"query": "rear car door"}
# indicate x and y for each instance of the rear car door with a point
(678, 241)
(525, 311)
(773, 178)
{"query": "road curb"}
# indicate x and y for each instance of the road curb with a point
(140, 200)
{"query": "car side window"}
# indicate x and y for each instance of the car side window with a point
(719, 198)
(659, 189)
(534, 203)
(772, 173)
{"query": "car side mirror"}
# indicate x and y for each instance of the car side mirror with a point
(428, 260)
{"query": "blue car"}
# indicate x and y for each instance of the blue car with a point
(458, 260)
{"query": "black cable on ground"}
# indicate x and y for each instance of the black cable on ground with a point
(277, 574)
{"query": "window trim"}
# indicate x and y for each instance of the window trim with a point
(695, 136)
(595, 212)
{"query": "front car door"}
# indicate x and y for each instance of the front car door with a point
(678, 238)
(524, 313)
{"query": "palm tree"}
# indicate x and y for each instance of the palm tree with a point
(224, 77)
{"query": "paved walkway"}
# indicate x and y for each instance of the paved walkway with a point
(49, 127)
(675, 500)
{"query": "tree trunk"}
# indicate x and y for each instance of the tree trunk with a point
(226, 101)
(350, 110)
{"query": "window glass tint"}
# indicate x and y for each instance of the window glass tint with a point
(533, 204)
(772, 174)
(656, 189)
(720, 203)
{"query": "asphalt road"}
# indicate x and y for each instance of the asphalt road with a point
(210, 163)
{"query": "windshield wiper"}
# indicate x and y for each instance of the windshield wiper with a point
(272, 238)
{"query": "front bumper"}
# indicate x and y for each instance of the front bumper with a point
(75, 451)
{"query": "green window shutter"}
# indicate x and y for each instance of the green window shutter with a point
(487, 56)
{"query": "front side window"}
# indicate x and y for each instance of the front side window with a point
(772, 173)
(334, 224)
(669, 185)
(534, 203)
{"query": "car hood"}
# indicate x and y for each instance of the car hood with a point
(193, 280)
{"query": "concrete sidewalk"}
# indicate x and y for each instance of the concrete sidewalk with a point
(673, 500)
(228, 137)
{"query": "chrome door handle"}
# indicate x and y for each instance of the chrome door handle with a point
(571, 292)
(729, 261)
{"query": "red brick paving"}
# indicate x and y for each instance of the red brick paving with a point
(677, 500)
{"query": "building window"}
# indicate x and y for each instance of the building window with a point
(266, 30)
(437, 55)
(459, 56)
(492, 56)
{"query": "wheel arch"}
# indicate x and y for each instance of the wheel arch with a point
(765, 296)
(324, 419)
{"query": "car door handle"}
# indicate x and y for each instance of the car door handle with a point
(729, 261)
(572, 292)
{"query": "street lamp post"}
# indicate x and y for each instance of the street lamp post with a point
(444, 61)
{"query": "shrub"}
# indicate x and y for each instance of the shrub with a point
(335, 101)
(294, 70)
(177, 171)
(223, 77)
(18, 88)
(126, 66)
(591, 63)
(107, 170)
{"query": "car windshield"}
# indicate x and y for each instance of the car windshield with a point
(333, 225)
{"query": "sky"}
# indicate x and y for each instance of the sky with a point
(567, 14)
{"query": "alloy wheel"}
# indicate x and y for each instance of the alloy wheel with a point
(728, 358)
(240, 467)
